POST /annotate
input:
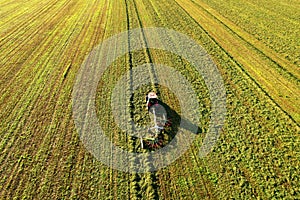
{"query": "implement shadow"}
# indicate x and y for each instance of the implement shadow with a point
(177, 120)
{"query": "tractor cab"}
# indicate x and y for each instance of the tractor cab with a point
(151, 99)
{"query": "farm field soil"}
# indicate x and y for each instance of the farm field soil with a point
(43, 45)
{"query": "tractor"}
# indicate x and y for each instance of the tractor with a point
(158, 115)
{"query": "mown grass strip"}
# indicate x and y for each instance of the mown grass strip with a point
(282, 91)
(284, 66)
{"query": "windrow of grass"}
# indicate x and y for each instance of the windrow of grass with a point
(282, 90)
(271, 22)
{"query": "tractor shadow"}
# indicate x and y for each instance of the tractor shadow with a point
(178, 121)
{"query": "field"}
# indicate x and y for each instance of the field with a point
(254, 45)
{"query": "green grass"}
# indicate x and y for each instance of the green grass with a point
(43, 45)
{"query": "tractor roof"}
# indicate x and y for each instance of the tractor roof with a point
(152, 95)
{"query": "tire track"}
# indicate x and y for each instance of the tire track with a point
(156, 179)
(150, 178)
(164, 24)
(134, 191)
